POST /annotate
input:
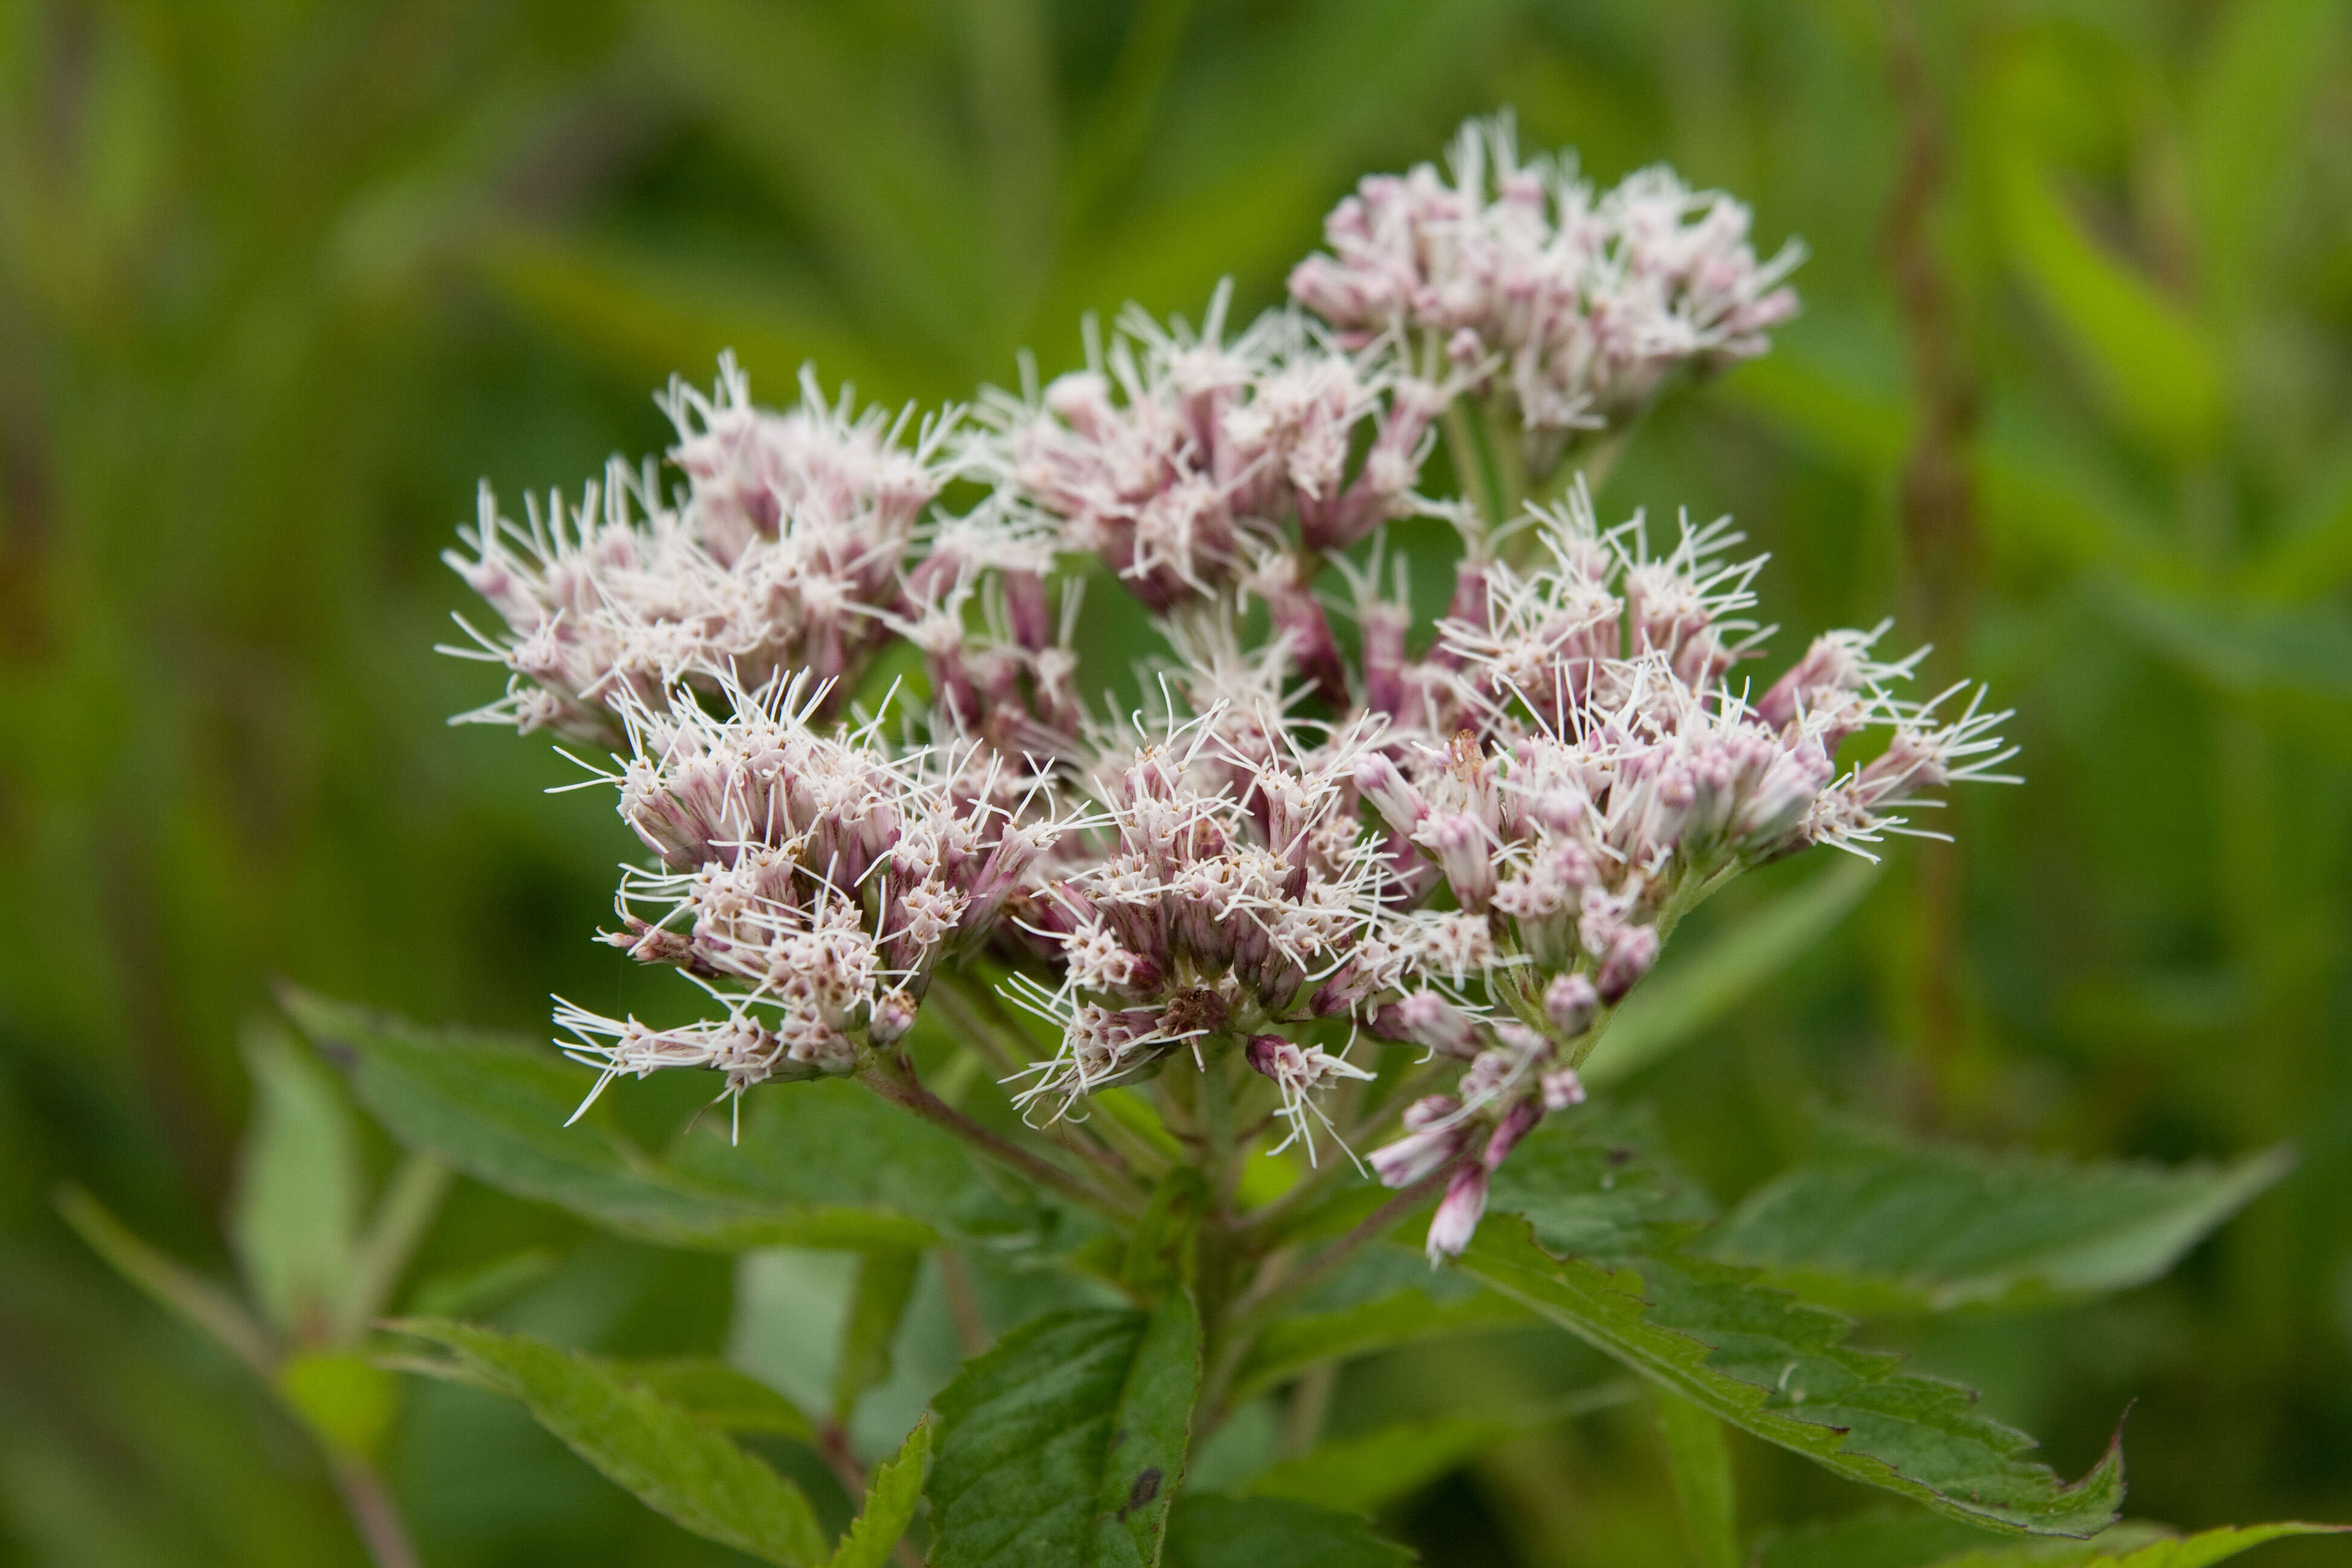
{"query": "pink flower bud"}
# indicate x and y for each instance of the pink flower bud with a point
(1427, 1018)
(1464, 853)
(1562, 1088)
(1456, 1219)
(893, 1015)
(1381, 781)
(1631, 954)
(1569, 1002)
(1516, 1123)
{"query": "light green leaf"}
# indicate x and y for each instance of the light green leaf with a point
(1360, 1474)
(344, 1398)
(1209, 1532)
(1292, 1344)
(2190, 1552)
(1687, 995)
(1776, 1367)
(180, 1290)
(1872, 1224)
(1065, 1442)
(496, 1109)
(478, 1290)
(1595, 1183)
(648, 1444)
(718, 1396)
(1699, 1463)
(296, 1210)
(890, 1502)
(2252, 103)
(885, 1281)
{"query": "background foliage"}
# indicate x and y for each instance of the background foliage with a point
(278, 281)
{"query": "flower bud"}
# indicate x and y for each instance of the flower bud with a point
(1457, 1216)
(1629, 956)
(1570, 1002)
(1427, 1018)
(1464, 855)
(893, 1015)
(1562, 1088)
(1381, 781)
(1516, 1123)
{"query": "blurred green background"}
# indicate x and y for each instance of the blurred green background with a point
(278, 280)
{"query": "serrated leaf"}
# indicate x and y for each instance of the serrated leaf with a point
(1688, 993)
(1292, 1344)
(496, 1109)
(890, 1501)
(647, 1443)
(1870, 1223)
(2197, 1551)
(885, 1281)
(1359, 1474)
(295, 1214)
(1597, 1184)
(1781, 1369)
(1209, 1532)
(1066, 1443)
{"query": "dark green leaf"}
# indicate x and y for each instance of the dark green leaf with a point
(1895, 1538)
(497, 1110)
(1596, 1184)
(890, 1502)
(1699, 1462)
(1781, 1369)
(1871, 1224)
(647, 1444)
(885, 1281)
(1209, 1532)
(295, 1212)
(1066, 1443)
(1292, 1344)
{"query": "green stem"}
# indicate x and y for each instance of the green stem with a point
(900, 1085)
(405, 1213)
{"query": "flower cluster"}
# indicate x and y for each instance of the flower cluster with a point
(812, 880)
(1573, 305)
(1469, 845)
(789, 538)
(1197, 467)
(1607, 776)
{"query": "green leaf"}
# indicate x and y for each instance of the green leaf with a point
(885, 1281)
(296, 1210)
(645, 1443)
(497, 1110)
(2190, 1552)
(1595, 1183)
(1292, 1344)
(480, 1290)
(717, 1394)
(2256, 80)
(1870, 1223)
(1686, 995)
(834, 1143)
(890, 1502)
(178, 1289)
(1360, 1474)
(1779, 1368)
(1898, 1538)
(1699, 1463)
(1209, 1532)
(1065, 1442)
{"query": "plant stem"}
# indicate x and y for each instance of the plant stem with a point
(1259, 1304)
(405, 1214)
(963, 1303)
(901, 1086)
(374, 1512)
